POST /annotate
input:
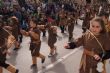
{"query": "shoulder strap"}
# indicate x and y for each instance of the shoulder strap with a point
(98, 43)
(7, 31)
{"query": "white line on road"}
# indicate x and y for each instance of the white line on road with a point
(59, 60)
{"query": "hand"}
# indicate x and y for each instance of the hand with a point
(24, 32)
(66, 46)
(30, 32)
(97, 57)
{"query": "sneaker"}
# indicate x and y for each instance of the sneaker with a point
(15, 49)
(17, 71)
(43, 60)
(50, 55)
(33, 65)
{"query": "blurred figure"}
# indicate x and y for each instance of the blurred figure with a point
(35, 44)
(6, 41)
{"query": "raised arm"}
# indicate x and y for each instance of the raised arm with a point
(24, 32)
(78, 42)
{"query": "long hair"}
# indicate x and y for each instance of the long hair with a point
(102, 24)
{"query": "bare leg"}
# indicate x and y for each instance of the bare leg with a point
(52, 51)
(17, 45)
(34, 59)
(42, 57)
(34, 62)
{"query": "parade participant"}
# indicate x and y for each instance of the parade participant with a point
(105, 17)
(108, 27)
(86, 21)
(43, 21)
(95, 42)
(35, 44)
(52, 38)
(88, 17)
(6, 41)
(15, 31)
(70, 24)
(62, 21)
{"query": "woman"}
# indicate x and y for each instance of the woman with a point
(92, 48)
(35, 44)
(6, 41)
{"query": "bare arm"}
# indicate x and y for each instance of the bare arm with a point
(24, 32)
(34, 35)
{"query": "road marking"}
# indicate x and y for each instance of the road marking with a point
(58, 61)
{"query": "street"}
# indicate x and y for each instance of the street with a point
(66, 61)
